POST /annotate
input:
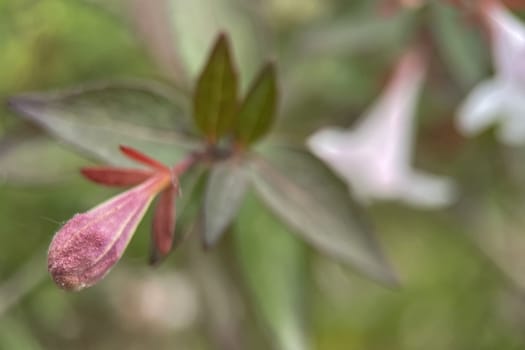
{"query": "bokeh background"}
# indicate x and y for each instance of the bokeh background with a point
(461, 268)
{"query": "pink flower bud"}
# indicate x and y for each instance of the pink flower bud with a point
(85, 249)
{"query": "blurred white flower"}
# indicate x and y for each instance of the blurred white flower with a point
(374, 157)
(500, 99)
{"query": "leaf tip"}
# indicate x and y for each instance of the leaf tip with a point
(222, 36)
(389, 277)
(23, 104)
(215, 94)
(222, 43)
(142, 158)
(155, 258)
(210, 237)
(270, 67)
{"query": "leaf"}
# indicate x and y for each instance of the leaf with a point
(219, 297)
(215, 97)
(257, 111)
(99, 117)
(142, 158)
(460, 45)
(317, 205)
(352, 35)
(118, 177)
(224, 195)
(272, 262)
(187, 206)
(36, 160)
(191, 190)
(495, 223)
(163, 229)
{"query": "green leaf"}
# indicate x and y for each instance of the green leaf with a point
(495, 223)
(36, 160)
(224, 195)
(460, 44)
(97, 118)
(273, 265)
(257, 111)
(215, 98)
(351, 35)
(317, 205)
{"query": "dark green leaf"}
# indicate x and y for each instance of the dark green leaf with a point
(317, 205)
(257, 111)
(224, 194)
(460, 44)
(98, 118)
(215, 98)
(273, 264)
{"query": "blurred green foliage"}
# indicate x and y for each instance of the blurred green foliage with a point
(453, 295)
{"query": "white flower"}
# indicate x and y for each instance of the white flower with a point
(374, 157)
(502, 98)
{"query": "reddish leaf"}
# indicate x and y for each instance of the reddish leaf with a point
(111, 176)
(142, 158)
(163, 224)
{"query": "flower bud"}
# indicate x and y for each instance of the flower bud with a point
(85, 249)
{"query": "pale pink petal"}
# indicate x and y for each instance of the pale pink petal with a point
(508, 41)
(484, 106)
(375, 156)
(501, 99)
